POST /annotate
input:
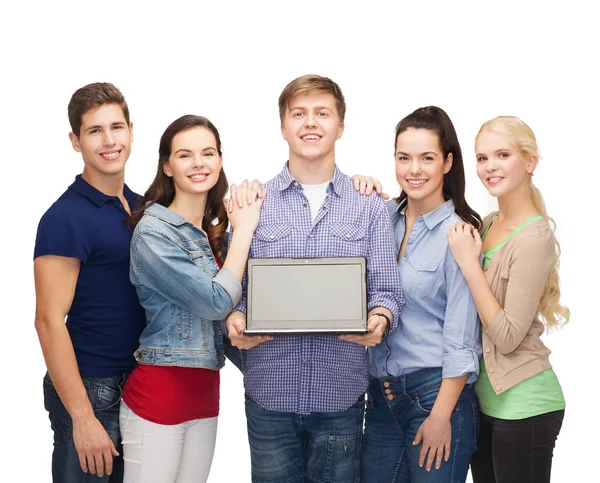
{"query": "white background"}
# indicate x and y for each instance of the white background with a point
(229, 61)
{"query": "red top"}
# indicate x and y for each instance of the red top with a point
(171, 394)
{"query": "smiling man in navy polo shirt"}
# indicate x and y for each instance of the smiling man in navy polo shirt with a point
(81, 269)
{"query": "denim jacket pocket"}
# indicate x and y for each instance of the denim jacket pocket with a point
(192, 249)
(424, 281)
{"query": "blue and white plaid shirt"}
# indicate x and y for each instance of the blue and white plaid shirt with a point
(304, 374)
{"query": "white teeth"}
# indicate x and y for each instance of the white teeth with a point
(110, 155)
(493, 180)
(310, 138)
(416, 182)
(198, 176)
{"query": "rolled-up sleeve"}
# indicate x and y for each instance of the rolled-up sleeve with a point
(161, 265)
(461, 330)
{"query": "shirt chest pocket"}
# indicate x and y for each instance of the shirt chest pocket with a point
(425, 281)
(272, 241)
(196, 252)
(349, 239)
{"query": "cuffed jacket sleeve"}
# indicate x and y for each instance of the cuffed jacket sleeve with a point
(162, 265)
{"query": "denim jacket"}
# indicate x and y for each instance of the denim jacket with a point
(184, 294)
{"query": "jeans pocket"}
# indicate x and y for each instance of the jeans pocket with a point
(60, 421)
(425, 399)
(103, 396)
(343, 458)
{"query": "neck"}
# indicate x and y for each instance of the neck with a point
(415, 208)
(516, 206)
(190, 207)
(312, 171)
(110, 185)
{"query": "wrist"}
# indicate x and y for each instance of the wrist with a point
(388, 324)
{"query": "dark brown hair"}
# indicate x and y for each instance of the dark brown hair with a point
(90, 97)
(162, 189)
(436, 120)
(311, 84)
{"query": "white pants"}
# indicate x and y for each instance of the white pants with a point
(159, 453)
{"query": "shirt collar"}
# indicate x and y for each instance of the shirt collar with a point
(285, 180)
(86, 190)
(435, 217)
(165, 214)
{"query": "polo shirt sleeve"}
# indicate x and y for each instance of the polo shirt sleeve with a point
(64, 233)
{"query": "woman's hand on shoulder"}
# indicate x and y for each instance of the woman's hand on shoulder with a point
(244, 204)
(465, 244)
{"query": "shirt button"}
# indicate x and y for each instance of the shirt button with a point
(498, 388)
(324, 208)
(383, 369)
(296, 183)
(419, 267)
(487, 349)
(491, 369)
(305, 205)
(485, 269)
(310, 235)
(347, 235)
(272, 236)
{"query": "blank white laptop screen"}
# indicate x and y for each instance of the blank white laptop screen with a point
(309, 295)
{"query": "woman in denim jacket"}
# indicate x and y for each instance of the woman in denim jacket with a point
(170, 402)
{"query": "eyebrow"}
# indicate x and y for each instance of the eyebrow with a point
(421, 154)
(300, 108)
(186, 150)
(98, 126)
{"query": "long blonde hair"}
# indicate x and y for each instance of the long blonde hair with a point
(520, 135)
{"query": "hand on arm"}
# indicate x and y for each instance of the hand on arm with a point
(366, 184)
(55, 281)
(465, 243)
(245, 193)
(236, 324)
(376, 325)
(436, 431)
(244, 218)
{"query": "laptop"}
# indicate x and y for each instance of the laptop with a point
(306, 296)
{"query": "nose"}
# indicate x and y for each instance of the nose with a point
(415, 166)
(310, 120)
(490, 165)
(108, 139)
(197, 161)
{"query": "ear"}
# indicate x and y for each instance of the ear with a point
(283, 131)
(340, 130)
(448, 163)
(167, 169)
(74, 142)
(532, 162)
(131, 132)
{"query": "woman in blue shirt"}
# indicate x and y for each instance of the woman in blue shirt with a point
(422, 416)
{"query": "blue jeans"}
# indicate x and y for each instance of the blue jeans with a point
(296, 448)
(104, 394)
(396, 408)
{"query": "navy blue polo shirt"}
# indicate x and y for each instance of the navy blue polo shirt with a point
(105, 319)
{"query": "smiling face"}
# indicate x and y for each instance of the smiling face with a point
(420, 168)
(194, 162)
(311, 127)
(104, 140)
(501, 166)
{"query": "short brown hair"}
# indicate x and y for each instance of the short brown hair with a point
(92, 96)
(311, 84)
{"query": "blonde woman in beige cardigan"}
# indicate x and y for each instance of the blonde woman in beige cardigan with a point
(516, 291)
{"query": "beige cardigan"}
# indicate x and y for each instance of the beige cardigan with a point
(517, 274)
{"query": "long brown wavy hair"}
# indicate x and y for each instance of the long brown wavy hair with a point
(162, 189)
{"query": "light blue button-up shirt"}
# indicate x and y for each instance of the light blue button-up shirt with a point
(439, 325)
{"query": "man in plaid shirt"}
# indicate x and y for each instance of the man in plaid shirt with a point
(305, 394)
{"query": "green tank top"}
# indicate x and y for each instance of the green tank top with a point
(539, 394)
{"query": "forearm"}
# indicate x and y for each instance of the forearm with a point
(449, 393)
(62, 366)
(237, 254)
(485, 301)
